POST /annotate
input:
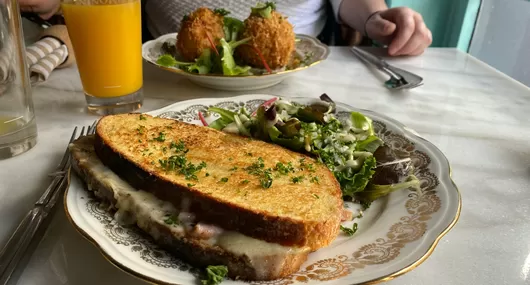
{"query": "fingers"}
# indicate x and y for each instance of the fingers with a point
(406, 25)
(421, 48)
(379, 27)
(411, 36)
(419, 40)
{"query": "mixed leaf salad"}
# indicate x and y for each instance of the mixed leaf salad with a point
(221, 61)
(346, 146)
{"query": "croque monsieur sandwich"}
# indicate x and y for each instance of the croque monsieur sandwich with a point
(209, 197)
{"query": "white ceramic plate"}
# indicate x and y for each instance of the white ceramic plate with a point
(308, 47)
(396, 234)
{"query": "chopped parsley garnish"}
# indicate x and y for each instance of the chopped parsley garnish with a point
(171, 220)
(180, 163)
(190, 185)
(249, 153)
(316, 196)
(140, 130)
(140, 141)
(297, 179)
(164, 149)
(233, 168)
(207, 174)
(215, 274)
(161, 137)
(315, 179)
(284, 169)
(185, 18)
(245, 181)
(221, 11)
(142, 117)
(266, 180)
(308, 166)
(349, 231)
(177, 146)
(257, 169)
(230, 159)
(224, 180)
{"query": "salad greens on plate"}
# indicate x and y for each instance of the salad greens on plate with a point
(346, 146)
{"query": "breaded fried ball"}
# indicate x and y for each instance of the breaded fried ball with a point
(193, 36)
(273, 37)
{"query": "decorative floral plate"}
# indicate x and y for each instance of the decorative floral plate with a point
(308, 48)
(396, 233)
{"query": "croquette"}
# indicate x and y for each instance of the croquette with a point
(273, 37)
(196, 30)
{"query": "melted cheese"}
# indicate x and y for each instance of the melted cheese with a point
(144, 209)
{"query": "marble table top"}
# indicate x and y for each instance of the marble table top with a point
(477, 116)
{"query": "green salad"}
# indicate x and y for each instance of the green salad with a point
(346, 146)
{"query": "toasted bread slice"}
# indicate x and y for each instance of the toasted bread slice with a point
(240, 184)
(198, 243)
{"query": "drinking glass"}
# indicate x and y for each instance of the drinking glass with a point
(107, 39)
(18, 130)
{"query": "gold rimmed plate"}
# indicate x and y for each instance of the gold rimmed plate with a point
(309, 49)
(395, 235)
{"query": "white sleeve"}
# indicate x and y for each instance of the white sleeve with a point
(335, 4)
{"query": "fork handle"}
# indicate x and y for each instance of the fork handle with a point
(17, 245)
(380, 63)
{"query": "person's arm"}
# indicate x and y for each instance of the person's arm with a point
(401, 28)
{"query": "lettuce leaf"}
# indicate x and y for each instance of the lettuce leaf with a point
(362, 123)
(352, 183)
(374, 192)
(228, 63)
(203, 64)
(263, 9)
(168, 60)
(232, 27)
(371, 144)
(290, 143)
(226, 115)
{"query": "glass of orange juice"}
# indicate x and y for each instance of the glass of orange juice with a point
(107, 39)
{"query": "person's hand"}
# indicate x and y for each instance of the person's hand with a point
(44, 8)
(402, 29)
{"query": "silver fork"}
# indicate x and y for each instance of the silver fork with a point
(399, 78)
(18, 243)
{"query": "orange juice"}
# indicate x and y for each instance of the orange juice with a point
(108, 46)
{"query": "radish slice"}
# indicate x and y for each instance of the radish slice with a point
(211, 43)
(265, 104)
(203, 120)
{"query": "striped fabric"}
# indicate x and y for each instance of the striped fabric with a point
(42, 58)
(41, 70)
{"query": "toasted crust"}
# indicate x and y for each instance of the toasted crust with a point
(300, 214)
(193, 250)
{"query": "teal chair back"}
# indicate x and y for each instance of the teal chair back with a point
(451, 21)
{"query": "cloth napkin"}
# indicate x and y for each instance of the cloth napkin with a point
(43, 57)
(53, 50)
